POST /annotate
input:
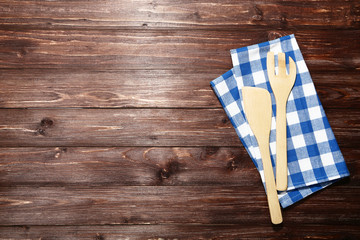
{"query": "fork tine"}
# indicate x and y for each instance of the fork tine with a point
(292, 68)
(270, 65)
(281, 64)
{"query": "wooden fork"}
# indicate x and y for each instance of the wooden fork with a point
(281, 85)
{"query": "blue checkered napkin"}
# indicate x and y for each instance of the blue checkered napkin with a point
(314, 157)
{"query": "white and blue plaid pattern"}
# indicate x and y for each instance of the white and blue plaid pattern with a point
(314, 158)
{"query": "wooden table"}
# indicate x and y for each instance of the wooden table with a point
(109, 128)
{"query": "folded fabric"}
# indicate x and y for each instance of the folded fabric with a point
(314, 158)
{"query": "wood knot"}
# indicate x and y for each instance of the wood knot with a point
(208, 151)
(41, 131)
(22, 52)
(274, 35)
(283, 19)
(211, 150)
(233, 164)
(197, 15)
(224, 120)
(259, 14)
(99, 237)
(171, 168)
(59, 151)
(164, 173)
(45, 123)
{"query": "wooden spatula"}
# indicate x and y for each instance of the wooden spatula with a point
(257, 107)
(281, 85)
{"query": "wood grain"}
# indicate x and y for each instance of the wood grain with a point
(162, 161)
(112, 204)
(165, 49)
(49, 88)
(175, 14)
(139, 127)
(128, 166)
(183, 231)
(137, 166)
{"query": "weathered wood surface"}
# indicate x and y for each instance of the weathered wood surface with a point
(165, 49)
(181, 231)
(127, 166)
(112, 204)
(167, 13)
(140, 127)
(137, 166)
(153, 155)
(29, 88)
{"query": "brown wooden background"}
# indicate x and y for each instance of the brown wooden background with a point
(109, 128)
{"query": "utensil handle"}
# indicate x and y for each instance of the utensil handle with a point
(272, 197)
(281, 148)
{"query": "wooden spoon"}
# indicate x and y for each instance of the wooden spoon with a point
(257, 107)
(281, 85)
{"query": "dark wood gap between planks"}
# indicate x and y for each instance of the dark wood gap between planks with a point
(143, 146)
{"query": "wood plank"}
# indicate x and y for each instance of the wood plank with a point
(26, 88)
(108, 89)
(139, 127)
(175, 14)
(138, 166)
(165, 49)
(88, 205)
(128, 166)
(183, 231)
(135, 57)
